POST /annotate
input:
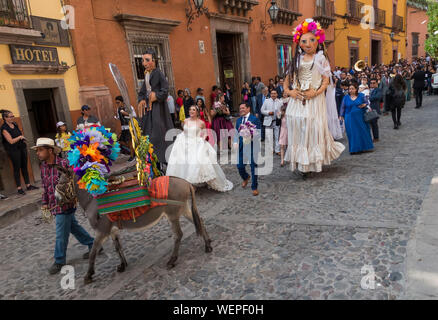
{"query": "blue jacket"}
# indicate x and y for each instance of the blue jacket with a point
(375, 98)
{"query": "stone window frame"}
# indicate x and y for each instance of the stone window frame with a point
(62, 109)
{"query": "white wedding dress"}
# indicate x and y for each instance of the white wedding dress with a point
(195, 160)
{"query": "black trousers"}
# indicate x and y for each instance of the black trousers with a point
(19, 163)
(418, 96)
(396, 114)
(375, 128)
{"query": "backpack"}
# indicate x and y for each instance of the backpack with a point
(399, 98)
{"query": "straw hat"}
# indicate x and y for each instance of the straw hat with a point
(47, 142)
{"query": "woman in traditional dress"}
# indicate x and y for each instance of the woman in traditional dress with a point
(194, 159)
(310, 143)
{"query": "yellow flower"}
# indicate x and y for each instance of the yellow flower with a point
(305, 24)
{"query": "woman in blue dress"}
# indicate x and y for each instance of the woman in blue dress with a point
(358, 131)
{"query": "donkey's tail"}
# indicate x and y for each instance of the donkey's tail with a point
(195, 214)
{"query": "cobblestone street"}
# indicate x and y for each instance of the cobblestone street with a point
(296, 240)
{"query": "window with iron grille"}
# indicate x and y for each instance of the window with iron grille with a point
(415, 44)
(164, 64)
(13, 13)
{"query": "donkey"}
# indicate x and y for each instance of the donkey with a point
(179, 194)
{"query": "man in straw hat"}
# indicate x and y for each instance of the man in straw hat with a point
(66, 222)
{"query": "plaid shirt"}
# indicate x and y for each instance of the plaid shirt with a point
(50, 177)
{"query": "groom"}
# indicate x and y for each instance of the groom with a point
(246, 116)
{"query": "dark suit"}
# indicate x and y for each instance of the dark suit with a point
(260, 100)
(157, 122)
(419, 78)
(280, 91)
(375, 98)
(243, 152)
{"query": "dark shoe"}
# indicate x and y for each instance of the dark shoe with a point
(395, 127)
(86, 255)
(3, 197)
(376, 140)
(55, 268)
(31, 187)
(21, 191)
(399, 123)
(245, 182)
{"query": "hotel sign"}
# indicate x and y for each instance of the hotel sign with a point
(34, 55)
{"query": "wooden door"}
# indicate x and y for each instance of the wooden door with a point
(229, 67)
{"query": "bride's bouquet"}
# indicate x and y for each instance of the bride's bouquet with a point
(247, 131)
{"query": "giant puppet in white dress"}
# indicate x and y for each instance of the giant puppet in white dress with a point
(310, 142)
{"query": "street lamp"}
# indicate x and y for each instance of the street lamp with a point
(273, 14)
(196, 12)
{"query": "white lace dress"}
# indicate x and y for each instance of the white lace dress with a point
(310, 143)
(195, 160)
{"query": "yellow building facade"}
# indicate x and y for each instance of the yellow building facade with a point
(38, 78)
(370, 30)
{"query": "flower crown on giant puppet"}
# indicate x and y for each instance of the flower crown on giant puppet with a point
(309, 25)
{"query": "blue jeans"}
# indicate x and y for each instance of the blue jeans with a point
(66, 223)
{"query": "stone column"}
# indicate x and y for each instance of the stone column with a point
(92, 90)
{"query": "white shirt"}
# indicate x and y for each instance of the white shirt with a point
(245, 118)
(126, 117)
(270, 106)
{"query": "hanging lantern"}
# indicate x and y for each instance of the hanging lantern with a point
(273, 11)
(198, 3)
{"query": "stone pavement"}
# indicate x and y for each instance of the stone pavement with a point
(296, 240)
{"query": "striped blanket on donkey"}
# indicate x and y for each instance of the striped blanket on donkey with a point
(132, 202)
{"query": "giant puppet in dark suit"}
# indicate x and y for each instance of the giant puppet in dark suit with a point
(152, 104)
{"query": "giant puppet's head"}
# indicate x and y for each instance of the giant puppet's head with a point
(308, 35)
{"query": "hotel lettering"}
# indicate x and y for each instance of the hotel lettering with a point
(34, 55)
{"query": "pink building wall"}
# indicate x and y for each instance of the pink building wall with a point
(416, 22)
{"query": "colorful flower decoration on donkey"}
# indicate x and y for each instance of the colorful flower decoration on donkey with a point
(309, 25)
(91, 154)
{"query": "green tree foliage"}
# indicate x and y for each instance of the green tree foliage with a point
(432, 29)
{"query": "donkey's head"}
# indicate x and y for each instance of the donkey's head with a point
(65, 192)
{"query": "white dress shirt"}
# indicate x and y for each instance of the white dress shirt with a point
(270, 106)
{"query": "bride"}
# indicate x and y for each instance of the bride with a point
(192, 158)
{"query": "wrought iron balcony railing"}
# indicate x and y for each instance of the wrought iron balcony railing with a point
(288, 11)
(397, 24)
(379, 17)
(325, 12)
(354, 10)
(13, 13)
(239, 7)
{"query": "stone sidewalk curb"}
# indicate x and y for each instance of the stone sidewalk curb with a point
(422, 248)
(13, 215)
